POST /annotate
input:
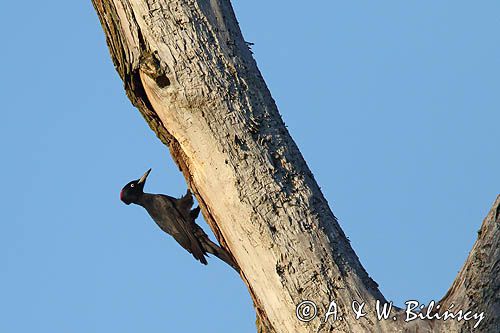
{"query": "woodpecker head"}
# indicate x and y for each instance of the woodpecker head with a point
(132, 191)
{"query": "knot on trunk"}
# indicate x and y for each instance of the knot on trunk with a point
(151, 65)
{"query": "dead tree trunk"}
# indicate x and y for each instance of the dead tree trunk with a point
(187, 69)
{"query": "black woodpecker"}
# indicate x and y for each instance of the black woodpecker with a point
(176, 218)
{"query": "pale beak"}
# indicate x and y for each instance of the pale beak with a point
(143, 178)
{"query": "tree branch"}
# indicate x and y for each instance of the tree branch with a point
(477, 286)
(187, 68)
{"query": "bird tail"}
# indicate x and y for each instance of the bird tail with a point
(209, 246)
(219, 252)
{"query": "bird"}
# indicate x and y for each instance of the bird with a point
(176, 218)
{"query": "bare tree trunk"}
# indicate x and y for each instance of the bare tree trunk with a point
(188, 70)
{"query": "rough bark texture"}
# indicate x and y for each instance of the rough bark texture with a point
(478, 282)
(186, 67)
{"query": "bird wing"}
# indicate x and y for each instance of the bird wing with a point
(185, 203)
(174, 222)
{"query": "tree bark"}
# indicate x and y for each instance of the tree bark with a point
(187, 68)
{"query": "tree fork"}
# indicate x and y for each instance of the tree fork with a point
(187, 68)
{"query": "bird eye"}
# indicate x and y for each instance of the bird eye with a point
(131, 185)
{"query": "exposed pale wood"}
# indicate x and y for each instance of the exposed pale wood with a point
(187, 68)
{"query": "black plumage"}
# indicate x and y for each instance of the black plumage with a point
(176, 218)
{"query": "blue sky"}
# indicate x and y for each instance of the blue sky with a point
(394, 105)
